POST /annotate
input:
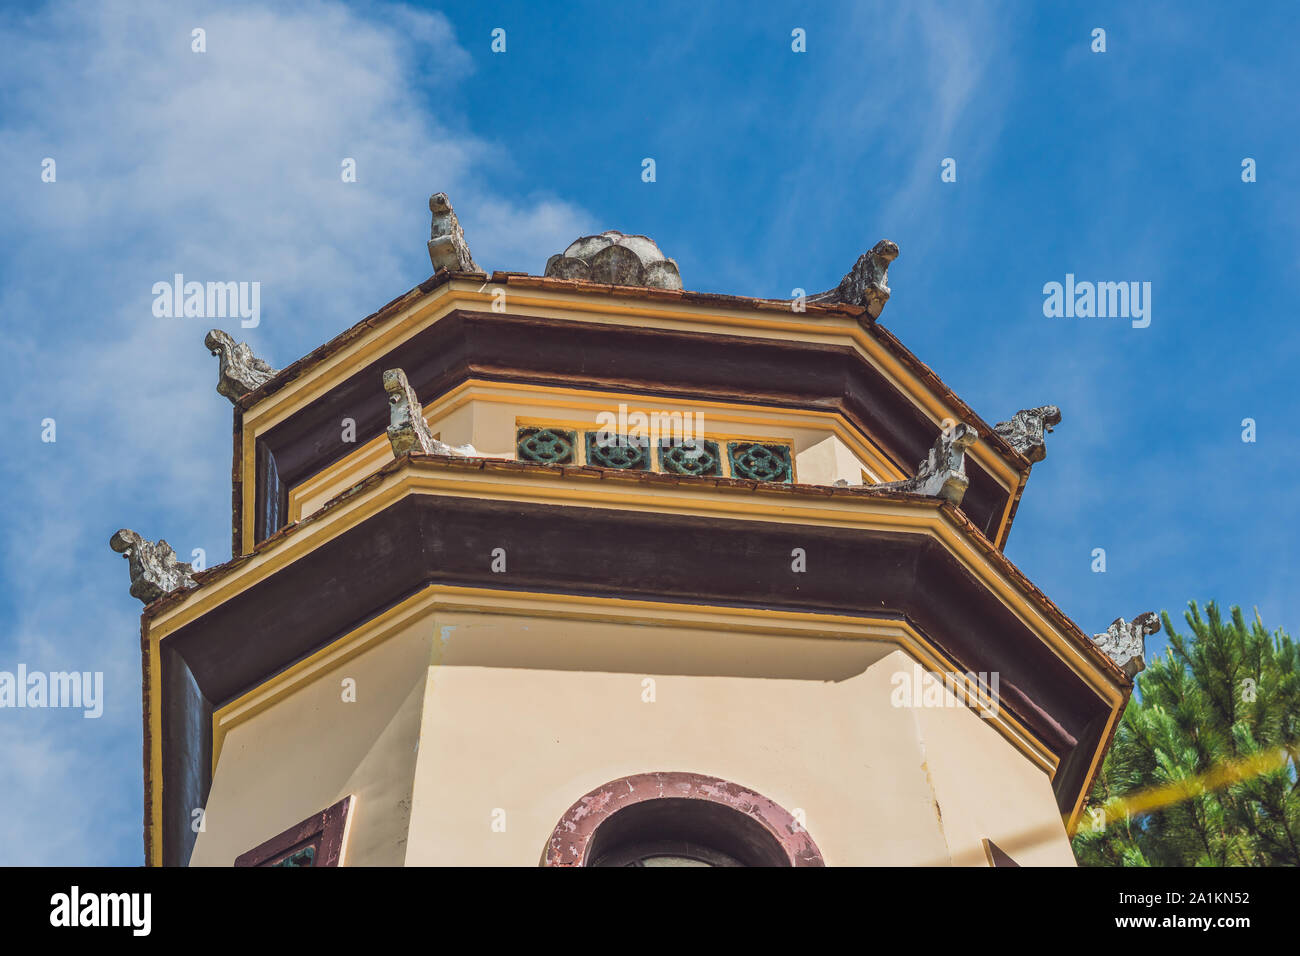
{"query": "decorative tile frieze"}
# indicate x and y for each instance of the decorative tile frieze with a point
(698, 458)
(760, 461)
(547, 446)
(607, 450)
(694, 457)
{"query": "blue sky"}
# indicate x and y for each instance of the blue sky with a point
(774, 169)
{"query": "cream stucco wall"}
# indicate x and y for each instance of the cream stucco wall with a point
(311, 748)
(827, 462)
(477, 731)
(988, 792)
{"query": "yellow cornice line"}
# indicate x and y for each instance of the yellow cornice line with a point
(318, 380)
(418, 314)
(247, 489)
(434, 598)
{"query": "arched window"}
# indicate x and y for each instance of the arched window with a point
(678, 819)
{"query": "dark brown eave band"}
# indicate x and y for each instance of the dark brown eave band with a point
(730, 485)
(393, 308)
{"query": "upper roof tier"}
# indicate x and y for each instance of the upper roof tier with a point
(609, 317)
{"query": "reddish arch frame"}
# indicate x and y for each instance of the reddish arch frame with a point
(572, 837)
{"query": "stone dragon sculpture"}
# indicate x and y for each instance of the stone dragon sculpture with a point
(240, 371)
(943, 473)
(407, 429)
(153, 566)
(1026, 430)
(1125, 641)
(447, 246)
(867, 283)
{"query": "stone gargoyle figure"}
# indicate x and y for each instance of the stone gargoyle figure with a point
(1125, 641)
(447, 246)
(407, 429)
(867, 283)
(153, 566)
(943, 473)
(240, 371)
(1027, 430)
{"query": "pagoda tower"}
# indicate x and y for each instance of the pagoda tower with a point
(585, 569)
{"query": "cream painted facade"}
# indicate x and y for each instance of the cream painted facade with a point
(472, 733)
(464, 719)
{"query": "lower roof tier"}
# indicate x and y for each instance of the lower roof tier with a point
(653, 539)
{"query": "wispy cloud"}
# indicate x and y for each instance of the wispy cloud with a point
(223, 165)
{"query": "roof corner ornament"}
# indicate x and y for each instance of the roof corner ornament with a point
(447, 246)
(613, 258)
(407, 429)
(241, 371)
(154, 568)
(943, 473)
(1125, 641)
(1027, 430)
(867, 283)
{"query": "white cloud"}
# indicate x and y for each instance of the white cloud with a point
(223, 165)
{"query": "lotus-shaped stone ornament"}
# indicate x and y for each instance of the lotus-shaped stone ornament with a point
(616, 259)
